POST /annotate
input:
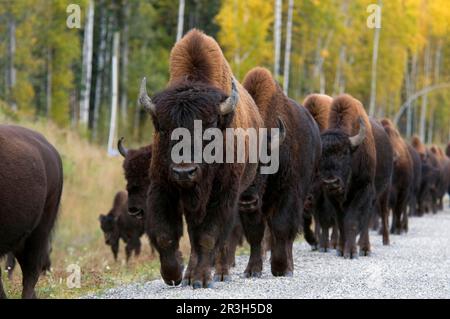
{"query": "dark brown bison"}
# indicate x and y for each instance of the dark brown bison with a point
(319, 105)
(383, 176)
(417, 180)
(31, 184)
(428, 178)
(444, 174)
(118, 224)
(201, 87)
(402, 179)
(285, 192)
(136, 166)
(347, 169)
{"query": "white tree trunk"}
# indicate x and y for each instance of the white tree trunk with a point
(87, 65)
(287, 54)
(373, 81)
(100, 67)
(277, 37)
(114, 96)
(424, 106)
(180, 20)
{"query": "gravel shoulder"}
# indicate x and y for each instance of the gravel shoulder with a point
(416, 265)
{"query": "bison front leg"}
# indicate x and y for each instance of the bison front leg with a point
(254, 226)
(164, 228)
(284, 225)
(383, 206)
(211, 238)
(357, 217)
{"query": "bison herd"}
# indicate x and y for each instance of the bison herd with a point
(339, 170)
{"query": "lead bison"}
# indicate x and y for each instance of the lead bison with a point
(118, 224)
(279, 198)
(201, 87)
(31, 183)
(347, 168)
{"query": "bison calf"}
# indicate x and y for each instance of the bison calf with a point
(118, 224)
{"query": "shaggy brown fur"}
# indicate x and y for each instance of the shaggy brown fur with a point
(200, 80)
(418, 145)
(197, 57)
(319, 105)
(283, 193)
(402, 182)
(344, 115)
(31, 185)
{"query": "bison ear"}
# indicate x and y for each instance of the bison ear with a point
(357, 140)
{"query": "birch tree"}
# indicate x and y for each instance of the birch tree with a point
(87, 65)
(373, 81)
(114, 94)
(277, 36)
(287, 54)
(180, 20)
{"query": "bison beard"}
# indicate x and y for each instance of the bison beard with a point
(347, 170)
(202, 88)
(278, 199)
(28, 162)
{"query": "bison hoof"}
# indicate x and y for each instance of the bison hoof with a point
(339, 253)
(283, 274)
(365, 253)
(350, 256)
(185, 282)
(222, 277)
(197, 284)
(314, 247)
(323, 249)
(172, 282)
(252, 274)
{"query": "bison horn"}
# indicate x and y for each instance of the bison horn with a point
(356, 140)
(144, 99)
(229, 105)
(122, 149)
(281, 135)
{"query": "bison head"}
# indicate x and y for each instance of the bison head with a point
(336, 160)
(178, 107)
(108, 224)
(250, 199)
(136, 166)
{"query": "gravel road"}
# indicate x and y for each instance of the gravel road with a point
(416, 265)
